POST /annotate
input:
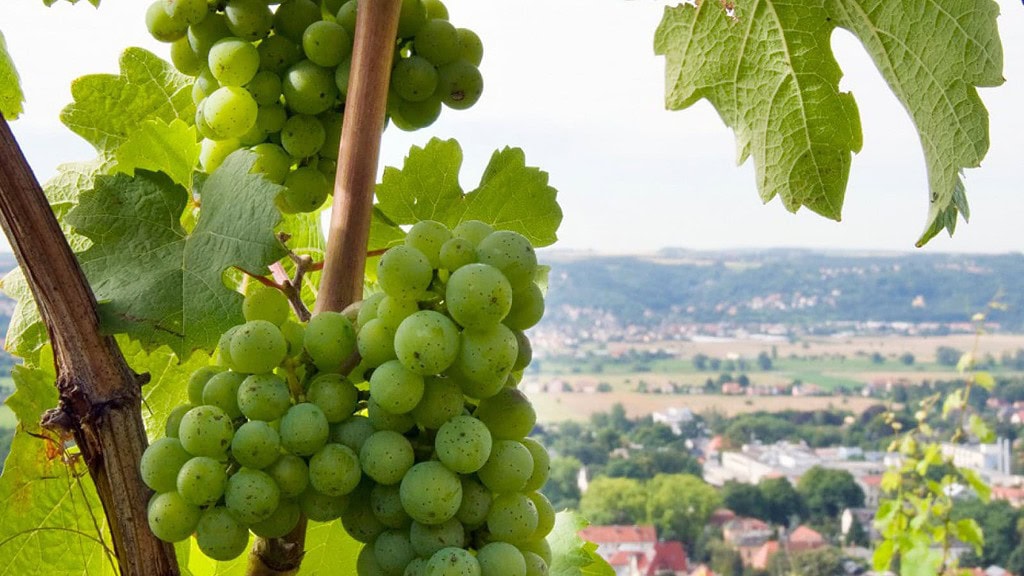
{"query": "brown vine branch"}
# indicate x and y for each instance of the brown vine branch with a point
(100, 396)
(341, 282)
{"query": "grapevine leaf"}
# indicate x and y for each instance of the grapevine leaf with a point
(156, 145)
(882, 558)
(11, 97)
(26, 332)
(980, 429)
(50, 509)
(769, 71)
(969, 532)
(107, 109)
(921, 560)
(159, 284)
(511, 195)
(572, 556)
(985, 380)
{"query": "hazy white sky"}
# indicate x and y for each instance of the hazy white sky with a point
(575, 83)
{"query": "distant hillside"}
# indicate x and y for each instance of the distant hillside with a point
(783, 286)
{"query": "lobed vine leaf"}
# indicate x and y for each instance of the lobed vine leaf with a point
(768, 69)
(159, 284)
(107, 109)
(156, 145)
(11, 96)
(572, 556)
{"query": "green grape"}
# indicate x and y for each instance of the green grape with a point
(431, 493)
(508, 414)
(332, 6)
(162, 26)
(330, 340)
(203, 35)
(278, 53)
(512, 518)
(352, 432)
(332, 121)
(436, 9)
(305, 190)
(293, 17)
(341, 76)
(249, 19)
(270, 120)
(376, 343)
(426, 539)
(366, 563)
(201, 481)
(304, 429)
(184, 59)
(485, 360)
(463, 444)
(207, 81)
(541, 465)
(326, 43)
(334, 470)
(213, 152)
(197, 381)
(257, 347)
(251, 495)
(438, 42)
(308, 88)
(527, 308)
(386, 456)
(256, 445)
(346, 16)
(302, 136)
(545, 515)
(511, 253)
(206, 431)
(358, 519)
(198, 95)
(224, 351)
(501, 559)
(452, 562)
(230, 111)
(386, 503)
(171, 519)
(414, 78)
(410, 116)
(233, 61)
(428, 236)
(427, 342)
(334, 395)
(460, 84)
(265, 88)
(472, 230)
(161, 462)
(508, 468)
(392, 311)
(266, 303)
(263, 397)
(539, 548)
(393, 551)
(191, 12)
(471, 49)
(281, 522)
(404, 272)
(272, 161)
(478, 296)
(476, 502)
(396, 388)
(290, 473)
(294, 333)
(411, 18)
(456, 253)
(174, 419)
(321, 507)
(327, 166)
(222, 391)
(442, 400)
(418, 567)
(384, 420)
(525, 352)
(220, 536)
(535, 565)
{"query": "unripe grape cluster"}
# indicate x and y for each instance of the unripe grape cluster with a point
(276, 80)
(420, 450)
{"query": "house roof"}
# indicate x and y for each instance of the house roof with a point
(619, 533)
(667, 556)
(760, 559)
(720, 516)
(805, 535)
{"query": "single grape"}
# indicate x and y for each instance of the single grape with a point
(452, 562)
(321, 507)
(456, 253)
(278, 53)
(431, 493)
(256, 445)
(326, 43)
(404, 272)
(366, 562)
(185, 59)
(471, 49)
(308, 88)
(302, 136)
(174, 419)
(392, 311)
(230, 111)
(305, 190)
(265, 88)
(213, 152)
(512, 518)
(508, 468)
(442, 400)
(294, 333)
(346, 16)
(541, 465)
(263, 397)
(334, 394)
(508, 414)
(272, 161)
(197, 381)
(376, 342)
(161, 462)
(265, 303)
(426, 539)
(352, 432)
(438, 42)
(249, 19)
(206, 431)
(478, 296)
(334, 470)
(384, 420)
(411, 18)
(294, 16)
(436, 9)
(304, 429)
(463, 444)
(251, 495)
(201, 481)
(332, 121)
(386, 456)
(473, 231)
(162, 26)
(341, 76)
(393, 551)
(203, 35)
(290, 473)
(396, 388)
(511, 253)
(222, 391)
(171, 518)
(485, 359)
(535, 565)
(501, 559)
(358, 519)
(527, 308)
(525, 352)
(233, 61)
(280, 522)
(427, 342)
(539, 548)
(220, 536)
(460, 84)
(386, 503)
(191, 12)
(414, 78)
(330, 340)
(545, 515)
(476, 502)
(410, 116)
(257, 347)
(418, 567)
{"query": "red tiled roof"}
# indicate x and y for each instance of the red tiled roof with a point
(804, 538)
(619, 533)
(721, 516)
(667, 556)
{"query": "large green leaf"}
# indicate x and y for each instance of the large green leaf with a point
(11, 97)
(768, 69)
(159, 284)
(107, 109)
(156, 145)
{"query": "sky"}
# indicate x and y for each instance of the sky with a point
(576, 84)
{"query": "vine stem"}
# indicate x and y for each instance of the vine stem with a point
(100, 396)
(341, 282)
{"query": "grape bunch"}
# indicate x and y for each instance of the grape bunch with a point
(275, 81)
(406, 424)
